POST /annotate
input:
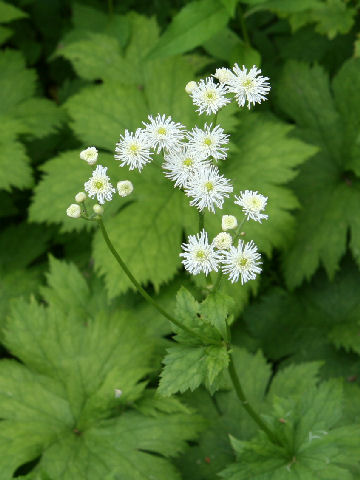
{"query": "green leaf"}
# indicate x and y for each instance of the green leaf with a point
(304, 94)
(302, 326)
(230, 6)
(8, 12)
(59, 402)
(215, 309)
(334, 17)
(192, 26)
(312, 447)
(190, 362)
(20, 113)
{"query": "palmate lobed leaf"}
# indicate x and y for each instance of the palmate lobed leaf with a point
(59, 403)
(327, 213)
(21, 113)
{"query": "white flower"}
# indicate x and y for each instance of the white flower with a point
(162, 132)
(228, 222)
(209, 96)
(133, 150)
(80, 197)
(74, 211)
(181, 165)
(125, 188)
(90, 155)
(248, 86)
(252, 204)
(224, 75)
(98, 209)
(208, 188)
(208, 142)
(223, 241)
(189, 87)
(198, 255)
(241, 261)
(99, 185)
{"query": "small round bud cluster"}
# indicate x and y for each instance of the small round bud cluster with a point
(190, 87)
(124, 188)
(98, 209)
(90, 155)
(80, 197)
(228, 222)
(223, 241)
(74, 211)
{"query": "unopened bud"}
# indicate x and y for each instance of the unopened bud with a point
(228, 222)
(190, 87)
(117, 393)
(125, 187)
(80, 197)
(98, 209)
(74, 211)
(223, 241)
(90, 155)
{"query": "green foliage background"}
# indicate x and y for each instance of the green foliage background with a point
(76, 73)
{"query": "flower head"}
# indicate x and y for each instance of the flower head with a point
(208, 188)
(99, 185)
(90, 155)
(223, 241)
(228, 222)
(224, 75)
(209, 96)
(242, 261)
(252, 204)
(208, 142)
(133, 150)
(74, 211)
(180, 165)
(163, 133)
(248, 86)
(124, 188)
(198, 255)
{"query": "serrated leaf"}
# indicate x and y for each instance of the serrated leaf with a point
(304, 93)
(59, 403)
(192, 26)
(17, 110)
(301, 326)
(215, 310)
(334, 17)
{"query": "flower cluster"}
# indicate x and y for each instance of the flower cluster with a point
(234, 257)
(191, 159)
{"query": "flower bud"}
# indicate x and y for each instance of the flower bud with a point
(80, 197)
(223, 241)
(90, 155)
(190, 87)
(98, 209)
(228, 222)
(74, 211)
(124, 187)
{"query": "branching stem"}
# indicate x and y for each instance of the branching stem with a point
(139, 288)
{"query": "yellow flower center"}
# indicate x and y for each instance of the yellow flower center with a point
(99, 185)
(243, 262)
(134, 148)
(188, 162)
(161, 131)
(209, 186)
(200, 255)
(248, 83)
(208, 141)
(210, 95)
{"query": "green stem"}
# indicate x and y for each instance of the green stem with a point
(244, 402)
(201, 221)
(110, 8)
(243, 26)
(139, 288)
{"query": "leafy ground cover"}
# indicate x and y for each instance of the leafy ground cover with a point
(94, 382)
